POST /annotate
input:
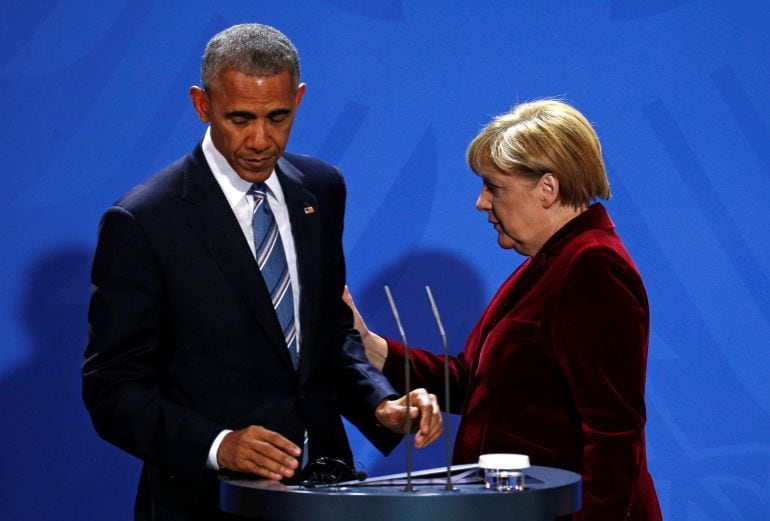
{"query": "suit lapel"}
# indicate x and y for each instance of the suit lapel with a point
(212, 220)
(306, 231)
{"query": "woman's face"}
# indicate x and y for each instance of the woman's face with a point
(514, 205)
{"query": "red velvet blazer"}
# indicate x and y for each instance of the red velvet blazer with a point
(555, 368)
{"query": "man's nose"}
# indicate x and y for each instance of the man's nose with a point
(258, 138)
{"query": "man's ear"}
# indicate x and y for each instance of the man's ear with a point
(200, 101)
(549, 189)
(300, 93)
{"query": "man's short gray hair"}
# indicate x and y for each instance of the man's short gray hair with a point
(252, 49)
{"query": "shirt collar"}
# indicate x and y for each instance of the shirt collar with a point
(233, 186)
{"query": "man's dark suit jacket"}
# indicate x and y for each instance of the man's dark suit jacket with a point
(184, 342)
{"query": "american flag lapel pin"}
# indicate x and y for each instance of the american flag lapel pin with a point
(309, 210)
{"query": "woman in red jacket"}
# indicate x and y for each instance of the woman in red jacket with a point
(555, 367)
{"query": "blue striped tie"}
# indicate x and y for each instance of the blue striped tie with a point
(272, 263)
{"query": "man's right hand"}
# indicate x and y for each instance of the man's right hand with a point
(256, 450)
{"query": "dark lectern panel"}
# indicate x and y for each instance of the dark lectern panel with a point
(549, 493)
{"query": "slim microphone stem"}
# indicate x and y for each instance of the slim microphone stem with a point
(408, 487)
(447, 427)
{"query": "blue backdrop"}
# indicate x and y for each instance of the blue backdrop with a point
(95, 100)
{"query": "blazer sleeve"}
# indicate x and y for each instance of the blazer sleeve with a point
(600, 334)
(427, 370)
(368, 387)
(125, 353)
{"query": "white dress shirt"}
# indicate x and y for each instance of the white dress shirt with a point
(236, 191)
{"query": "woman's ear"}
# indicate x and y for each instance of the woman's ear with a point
(548, 185)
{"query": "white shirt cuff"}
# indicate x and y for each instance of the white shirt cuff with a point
(212, 461)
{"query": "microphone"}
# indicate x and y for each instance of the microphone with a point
(408, 487)
(434, 308)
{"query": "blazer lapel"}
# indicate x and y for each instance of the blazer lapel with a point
(212, 220)
(306, 231)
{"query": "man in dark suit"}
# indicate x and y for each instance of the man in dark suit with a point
(198, 361)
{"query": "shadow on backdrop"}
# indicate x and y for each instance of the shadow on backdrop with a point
(459, 294)
(53, 465)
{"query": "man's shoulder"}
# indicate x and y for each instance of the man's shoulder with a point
(314, 175)
(310, 167)
(163, 186)
(308, 164)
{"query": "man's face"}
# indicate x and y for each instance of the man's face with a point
(250, 117)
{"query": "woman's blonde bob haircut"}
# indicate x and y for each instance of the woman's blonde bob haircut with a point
(540, 137)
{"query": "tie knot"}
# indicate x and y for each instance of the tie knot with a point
(259, 190)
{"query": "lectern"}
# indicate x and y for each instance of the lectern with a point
(548, 493)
